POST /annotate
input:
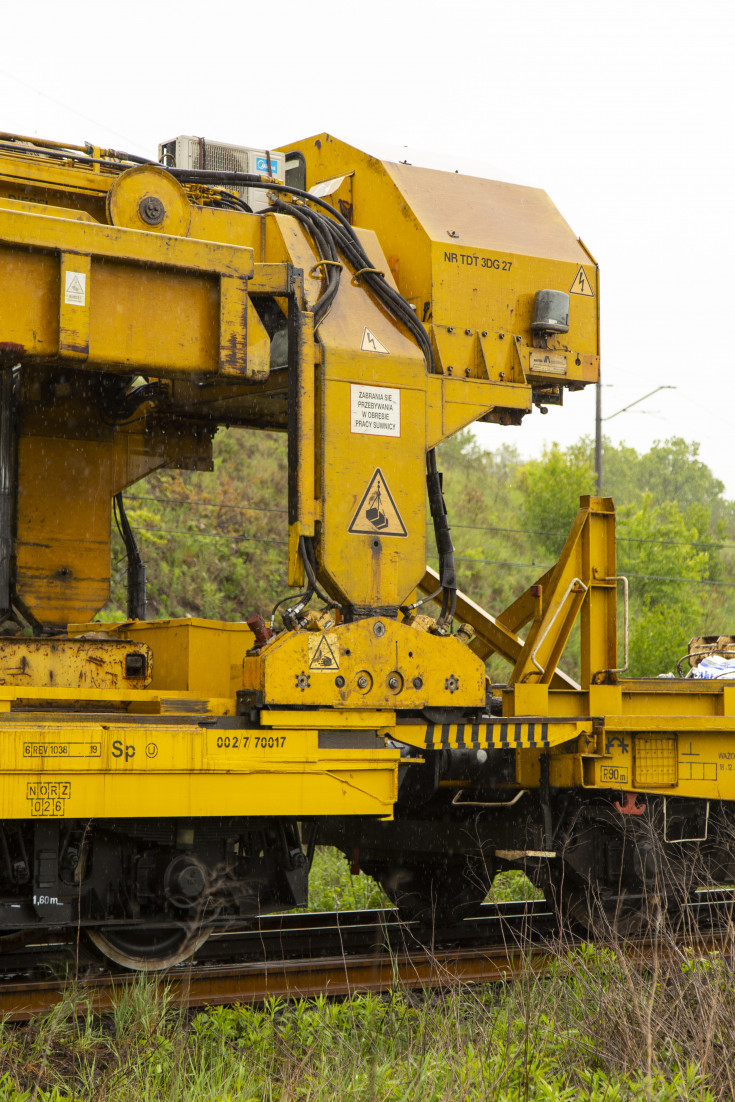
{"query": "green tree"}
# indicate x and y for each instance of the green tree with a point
(670, 471)
(214, 543)
(483, 501)
(552, 487)
(669, 530)
(659, 552)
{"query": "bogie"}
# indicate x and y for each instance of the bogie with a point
(149, 875)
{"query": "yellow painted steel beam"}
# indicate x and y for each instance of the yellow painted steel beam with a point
(381, 720)
(654, 721)
(492, 636)
(324, 789)
(96, 767)
(695, 764)
(142, 701)
(103, 665)
(582, 582)
(122, 299)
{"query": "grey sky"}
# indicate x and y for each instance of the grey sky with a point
(622, 112)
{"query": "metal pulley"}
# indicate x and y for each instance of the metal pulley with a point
(149, 198)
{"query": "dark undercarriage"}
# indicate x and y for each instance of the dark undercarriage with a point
(145, 889)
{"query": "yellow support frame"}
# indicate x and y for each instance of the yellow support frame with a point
(91, 296)
(68, 274)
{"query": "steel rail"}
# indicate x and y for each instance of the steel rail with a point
(197, 985)
(337, 976)
(384, 956)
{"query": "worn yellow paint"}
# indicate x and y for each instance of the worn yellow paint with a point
(331, 789)
(380, 663)
(192, 655)
(467, 252)
(143, 184)
(61, 664)
(177, 303)
(473, 285)
(119, 772)
(65, 486)
(153, 303)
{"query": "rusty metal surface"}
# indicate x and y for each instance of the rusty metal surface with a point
(256, 982)
(336, 976)
(90, 663)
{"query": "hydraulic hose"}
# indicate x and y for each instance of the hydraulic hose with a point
(393, 301)
(136, 566)
(442, 534)
(307, 554)
(333, 234)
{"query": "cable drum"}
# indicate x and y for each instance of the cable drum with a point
(148, 198)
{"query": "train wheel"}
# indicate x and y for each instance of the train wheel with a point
(602, 913)
(147, 949)
(438, 891)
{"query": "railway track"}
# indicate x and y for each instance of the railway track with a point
(199, 985)
(334, 954)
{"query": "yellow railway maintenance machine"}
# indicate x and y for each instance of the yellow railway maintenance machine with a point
(158, 779)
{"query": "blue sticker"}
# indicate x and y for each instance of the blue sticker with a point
(261, 165)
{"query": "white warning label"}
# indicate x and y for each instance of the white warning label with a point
(375, 410)
(75, 288)
(370, 343)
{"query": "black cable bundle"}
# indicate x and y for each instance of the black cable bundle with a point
(334, 225)
(136, 566)
(444, 545)
(333, 235)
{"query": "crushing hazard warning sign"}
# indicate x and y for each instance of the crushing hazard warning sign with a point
(323, 652)
(377, 513)
(75, 288)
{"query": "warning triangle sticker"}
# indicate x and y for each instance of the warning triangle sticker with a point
(377, 513)
(324, 657)
(581, 285)
(370, 343)
(74, 286)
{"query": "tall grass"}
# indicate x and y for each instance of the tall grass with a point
(333, 888)
(594, 1027)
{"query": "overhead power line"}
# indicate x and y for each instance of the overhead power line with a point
(68, 107)
(704, 544)
(619, 539)
(540, 566)
(233, 537)
(207, 504)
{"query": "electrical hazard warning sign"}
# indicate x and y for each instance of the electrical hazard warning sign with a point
(323, 652)
(377, 513)
(370, 343)
(581, 285)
